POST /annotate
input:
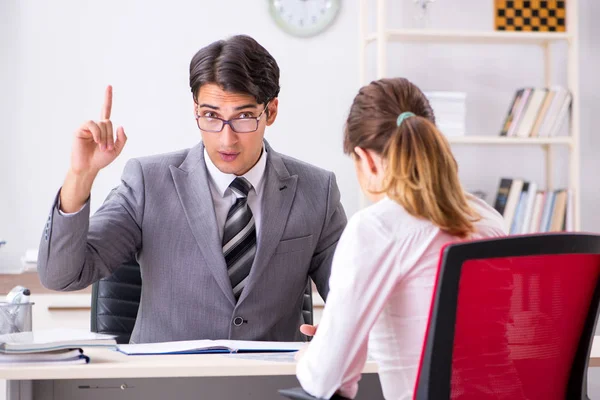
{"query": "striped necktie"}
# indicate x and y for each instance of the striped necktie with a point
(239, 237)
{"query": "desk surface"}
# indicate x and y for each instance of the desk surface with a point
(112, 364)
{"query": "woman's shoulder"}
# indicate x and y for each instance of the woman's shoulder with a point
(387, 216)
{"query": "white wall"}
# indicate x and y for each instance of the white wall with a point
(67, 51)
(57, 58)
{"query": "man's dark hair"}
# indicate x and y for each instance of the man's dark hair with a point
(239, 65)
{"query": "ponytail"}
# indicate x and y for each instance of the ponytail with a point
(421, 174)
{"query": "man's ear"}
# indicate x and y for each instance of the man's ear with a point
(273, 107)
(367, 159)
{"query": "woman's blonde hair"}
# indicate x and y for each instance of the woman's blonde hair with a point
(421, 174)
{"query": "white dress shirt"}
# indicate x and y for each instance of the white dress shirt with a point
(381, 287)
(223, 197)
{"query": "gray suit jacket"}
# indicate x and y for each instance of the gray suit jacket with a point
(163, 214)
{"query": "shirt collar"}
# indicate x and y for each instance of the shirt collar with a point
(223, 180)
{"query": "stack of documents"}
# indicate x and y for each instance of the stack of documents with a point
(51, 346)
(65, 356)
(209, 346)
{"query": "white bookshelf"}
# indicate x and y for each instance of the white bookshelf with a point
(502, 140)
(470, 37)
(382, 36)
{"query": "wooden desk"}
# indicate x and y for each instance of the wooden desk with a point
(157, 377)
(113, 375)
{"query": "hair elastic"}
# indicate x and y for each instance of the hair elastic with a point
(403, 116)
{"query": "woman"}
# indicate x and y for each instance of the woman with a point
(384, 267)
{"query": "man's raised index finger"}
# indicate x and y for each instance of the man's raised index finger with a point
(106, 108)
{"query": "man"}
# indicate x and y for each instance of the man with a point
(226, 233)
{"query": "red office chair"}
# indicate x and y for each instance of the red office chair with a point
(511, 318)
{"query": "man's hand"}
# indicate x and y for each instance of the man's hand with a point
(308, 330)
(94, 148)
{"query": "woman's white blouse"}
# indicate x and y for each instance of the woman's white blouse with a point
(380, 292)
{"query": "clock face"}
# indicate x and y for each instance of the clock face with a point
(304, 17)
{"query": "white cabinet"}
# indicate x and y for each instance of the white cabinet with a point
(62, 310)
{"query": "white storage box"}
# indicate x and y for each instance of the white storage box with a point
(450, 111)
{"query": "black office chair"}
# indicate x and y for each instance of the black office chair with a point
(116, 299)
(115, 302)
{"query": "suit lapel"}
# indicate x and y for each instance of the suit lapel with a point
(279, 192)
(191, 183)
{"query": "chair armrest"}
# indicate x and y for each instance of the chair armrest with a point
(296, 394)
(299, 394)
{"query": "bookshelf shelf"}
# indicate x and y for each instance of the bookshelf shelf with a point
(470, 37)
(501, 140)
(382, 36)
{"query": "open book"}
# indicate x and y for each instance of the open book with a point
(209, 346)
(53, 339)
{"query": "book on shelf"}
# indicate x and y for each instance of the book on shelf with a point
(523, 102)
(526, 209)
(536, 216)
(535, 130)
(530, 197)
(512, 111)
(530, 113)
(537, 112)
(502, 195)
(514, 194)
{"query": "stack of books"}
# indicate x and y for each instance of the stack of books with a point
(528, 210)
(51, 346)
(537, 112)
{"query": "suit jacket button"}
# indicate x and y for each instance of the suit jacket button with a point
(238, 321)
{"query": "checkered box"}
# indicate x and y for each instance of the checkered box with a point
(530, 15)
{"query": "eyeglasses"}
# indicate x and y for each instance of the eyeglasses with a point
(238, 125)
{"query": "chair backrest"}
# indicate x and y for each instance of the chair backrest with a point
(512, 318)
(116, 300)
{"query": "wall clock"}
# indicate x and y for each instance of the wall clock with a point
(304, 18)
